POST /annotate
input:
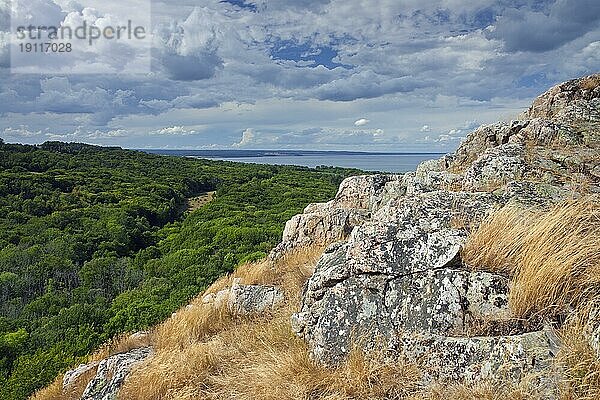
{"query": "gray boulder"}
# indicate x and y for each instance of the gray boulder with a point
(253, 299)
(371, 297)
(534, 193)
(440, 209)
(430, 181)
(359, 192)
(112, 372)
(482, 139)
(319, 225)
(71, 376)
(575, 103)
(324, 223)
(544, 132)
(472, 359)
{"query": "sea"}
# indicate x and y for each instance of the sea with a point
(366, 161)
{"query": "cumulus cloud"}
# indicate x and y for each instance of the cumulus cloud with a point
(174, 131)
(190, 48)
(361, 122)
(247, 138)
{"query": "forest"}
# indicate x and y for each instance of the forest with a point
(98, 241)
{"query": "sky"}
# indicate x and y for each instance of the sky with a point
(388, 75)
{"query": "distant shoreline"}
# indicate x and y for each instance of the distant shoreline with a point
(278, 153)
(389, 162)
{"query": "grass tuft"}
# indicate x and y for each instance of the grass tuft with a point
(553, 256)
(578, 359)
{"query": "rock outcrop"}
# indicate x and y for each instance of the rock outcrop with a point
(71, 376)
(246, 299)
(253, 299)
(108, 374)
(324, 223)
(393, 277)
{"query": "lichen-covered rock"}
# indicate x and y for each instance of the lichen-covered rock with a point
(253, 299)
(358, 192)
(446, 301)
(436, 165)
(319, 225)
(71, 376)
(544, 132)
(324, 223)
(434, 210)
(111, 374)
(575, 103)
(570, 102)
(482, 139)
(395, 250)
(430, 181)
(496, 166)
(534, 193)
(472, 359)
(397, 280)
(399, 274)
(243, 299)
(216, 299)
(393, 189)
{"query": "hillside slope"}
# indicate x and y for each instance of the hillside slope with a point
(97, 241)
(474, 277)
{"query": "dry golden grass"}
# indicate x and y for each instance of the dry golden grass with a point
(552, 255)
(262, 359)
(579, 361)
(51, 392)
(590, 82)
(183, 335)
(206, 353)
(198, 321)
(74, 391)
(120, 344)
(481, 391)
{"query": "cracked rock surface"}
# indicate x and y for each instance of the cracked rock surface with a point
(324, 223)
(111, 373)
(394, 278)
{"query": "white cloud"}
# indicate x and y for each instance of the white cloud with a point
(425, 128)
(22, 131)
(117, 133)
(361, 122)
(247, 138)
(174, 131)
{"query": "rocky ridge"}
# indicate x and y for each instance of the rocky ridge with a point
(395, 279)
(392, 276)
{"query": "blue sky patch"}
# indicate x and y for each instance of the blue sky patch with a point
(534, 80)
(316, 55)
(242, 4)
